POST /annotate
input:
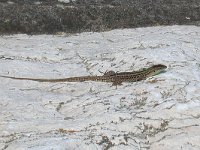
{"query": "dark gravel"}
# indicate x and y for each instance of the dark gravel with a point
(51, 16)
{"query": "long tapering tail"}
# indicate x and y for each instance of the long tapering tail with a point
(71, 79)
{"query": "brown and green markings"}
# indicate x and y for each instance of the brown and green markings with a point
(115, 77)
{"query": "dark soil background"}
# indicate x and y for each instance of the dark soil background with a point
(51, 16)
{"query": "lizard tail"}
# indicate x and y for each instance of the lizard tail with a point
(71, 79)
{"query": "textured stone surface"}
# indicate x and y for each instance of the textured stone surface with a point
(161, 112)
(50, 16)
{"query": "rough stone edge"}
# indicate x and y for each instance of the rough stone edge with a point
(50, 19)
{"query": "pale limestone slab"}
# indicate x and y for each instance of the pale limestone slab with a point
(162, 112)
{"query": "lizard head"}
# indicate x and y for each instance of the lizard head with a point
(156, 69)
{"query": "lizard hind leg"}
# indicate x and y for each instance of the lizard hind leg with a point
(109, 73)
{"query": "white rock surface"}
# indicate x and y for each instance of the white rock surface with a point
(162, 112)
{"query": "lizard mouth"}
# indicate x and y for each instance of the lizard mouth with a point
(161, 71)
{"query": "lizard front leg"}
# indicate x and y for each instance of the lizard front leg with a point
(117, 82)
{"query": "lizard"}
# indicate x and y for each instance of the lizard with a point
(115, 77)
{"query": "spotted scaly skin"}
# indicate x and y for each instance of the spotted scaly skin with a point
(110, 76)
